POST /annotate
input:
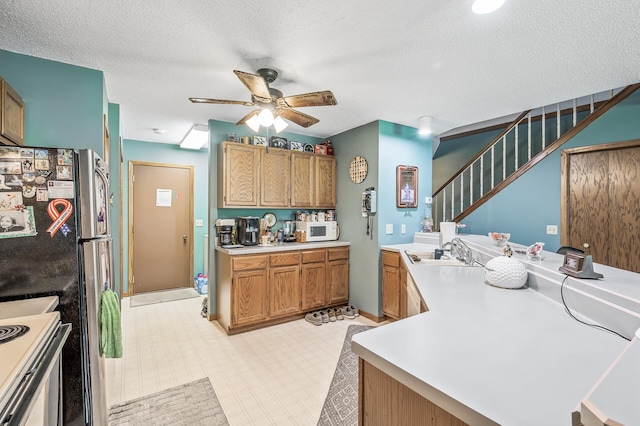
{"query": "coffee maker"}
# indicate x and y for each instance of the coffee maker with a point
(248, 229)
(226, 234)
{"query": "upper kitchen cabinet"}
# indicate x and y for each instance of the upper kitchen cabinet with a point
(325, 185)
(274, 179)
(255, 176)
(11, 115)
(238, 182)
(302, 177)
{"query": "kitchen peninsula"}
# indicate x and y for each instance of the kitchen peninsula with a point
(257, 286)
(483, 355)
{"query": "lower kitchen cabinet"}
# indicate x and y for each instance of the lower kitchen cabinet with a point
(254, 291)
(338, 276)
(394, 285)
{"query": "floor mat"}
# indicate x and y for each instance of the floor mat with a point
(163, 296)
(341, 406)
(193, 403)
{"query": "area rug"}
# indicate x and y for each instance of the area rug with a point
(194, 403)
(341, 405)
(163, 296)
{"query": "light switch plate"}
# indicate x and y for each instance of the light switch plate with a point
(552, 229)
(199, 222)
(389, 228)
(403, 228)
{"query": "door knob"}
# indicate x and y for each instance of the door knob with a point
(184, 238)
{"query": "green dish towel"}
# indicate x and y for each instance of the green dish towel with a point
(110, 326)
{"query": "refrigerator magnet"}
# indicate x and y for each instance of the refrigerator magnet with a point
(65, 157)
(29, 191)
(42, 164)
(42, 195)
(63, 172)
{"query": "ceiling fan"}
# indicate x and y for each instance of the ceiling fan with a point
(268, 98)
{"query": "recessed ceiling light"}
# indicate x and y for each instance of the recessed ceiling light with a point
(486, 6)
(159, 131)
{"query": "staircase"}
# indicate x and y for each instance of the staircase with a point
(531, 137)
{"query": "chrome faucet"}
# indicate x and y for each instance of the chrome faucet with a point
(462, 251)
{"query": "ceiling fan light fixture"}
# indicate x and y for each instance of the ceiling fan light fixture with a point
(253, 123)
(279, 124)
(482, 7)
(266, 117)
(197, 137)
(424, 125)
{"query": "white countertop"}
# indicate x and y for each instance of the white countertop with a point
(277, 247)
(24, 307)
(490, 355)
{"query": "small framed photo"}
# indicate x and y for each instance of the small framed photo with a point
(296, 146)
(406, 187)
(17, 223)
(259, 140)
(278, 142)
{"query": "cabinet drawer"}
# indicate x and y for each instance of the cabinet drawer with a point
(249, 262)
(338, 253)
(390, 258)
(313, 256)
(284, 259)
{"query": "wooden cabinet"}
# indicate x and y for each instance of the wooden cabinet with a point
(302, 179)
(394, 285)
(274, 178)
(314, 273)
(325, 184)
(254, 291)
(284, 284)
(239, 178)
(249, 288)
(11, 115)
(337, 275)
(252, 176)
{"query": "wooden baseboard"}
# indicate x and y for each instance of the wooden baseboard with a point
(372, 317)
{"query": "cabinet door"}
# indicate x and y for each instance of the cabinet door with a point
(11, 115)
(240, 171)
(313, 285)
(391, 291)
(249, 302)
(325, 188)
(338, 281)
(302, 178)
(274, 185)
(284, 291)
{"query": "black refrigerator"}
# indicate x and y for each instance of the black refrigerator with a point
(55, 240)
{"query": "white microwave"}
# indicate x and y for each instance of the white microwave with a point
(318, 231)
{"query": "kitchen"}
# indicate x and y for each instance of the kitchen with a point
(364, 289)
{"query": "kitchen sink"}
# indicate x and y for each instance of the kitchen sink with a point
(427, 258)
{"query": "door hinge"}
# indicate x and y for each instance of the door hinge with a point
(133, 279)
(133, 178)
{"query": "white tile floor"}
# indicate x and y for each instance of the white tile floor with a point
(277, 375)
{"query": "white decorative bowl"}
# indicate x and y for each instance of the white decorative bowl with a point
(506, 272)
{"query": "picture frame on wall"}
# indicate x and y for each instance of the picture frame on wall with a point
(260, 140)
(406, 186)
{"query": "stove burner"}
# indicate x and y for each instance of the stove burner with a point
(10, 332)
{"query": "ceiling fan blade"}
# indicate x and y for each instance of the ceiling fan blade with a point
(256, 85)
(310, 99)
(244, 119)
(297, 117)
(219, 101)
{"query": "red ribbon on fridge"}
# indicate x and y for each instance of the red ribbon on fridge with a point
(59, 217)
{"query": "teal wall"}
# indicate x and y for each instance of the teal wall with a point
(64, 104)
(115, 181)
(530, 203)
(401, 145)
(169, 154)
(385, 146)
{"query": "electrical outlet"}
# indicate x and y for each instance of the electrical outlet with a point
(199, 222)
(552, 229)
(403, 229)
(389, 228)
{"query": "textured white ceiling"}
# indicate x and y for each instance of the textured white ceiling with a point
(383, 59)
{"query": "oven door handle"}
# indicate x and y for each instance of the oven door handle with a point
(27, 392)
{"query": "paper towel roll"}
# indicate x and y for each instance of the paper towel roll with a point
(447, 232)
